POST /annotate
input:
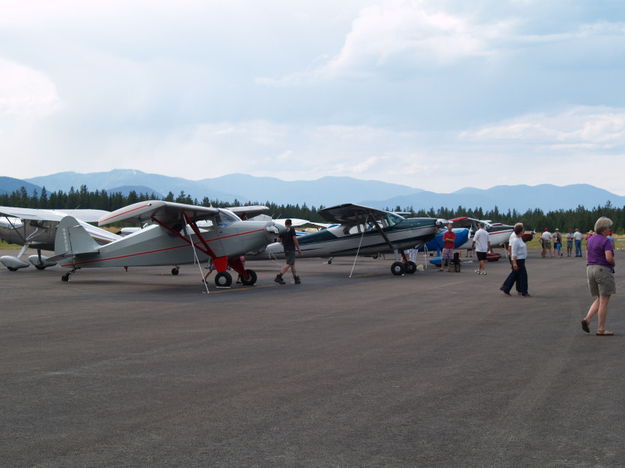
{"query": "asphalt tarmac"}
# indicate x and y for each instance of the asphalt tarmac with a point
(140, 368)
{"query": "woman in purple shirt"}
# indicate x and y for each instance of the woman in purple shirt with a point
(600, 273)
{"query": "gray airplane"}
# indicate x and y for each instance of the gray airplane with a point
(36, 229)
(172, 238)
(360, 230)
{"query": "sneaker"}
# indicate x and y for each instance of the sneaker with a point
(297, 280)
(279, 279)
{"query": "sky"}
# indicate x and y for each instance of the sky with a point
(438, 95)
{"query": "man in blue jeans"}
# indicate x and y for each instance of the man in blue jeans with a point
(578, 242)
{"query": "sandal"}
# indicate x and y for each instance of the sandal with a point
(604, 333)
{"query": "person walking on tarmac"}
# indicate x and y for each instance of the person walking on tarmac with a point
(290, 245)
(482, 246)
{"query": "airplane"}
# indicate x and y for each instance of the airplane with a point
(36, 229)
(462, 236)
(498, 233)
(363, 230)
(173, 238)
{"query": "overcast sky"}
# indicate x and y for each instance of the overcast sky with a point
(437, 95)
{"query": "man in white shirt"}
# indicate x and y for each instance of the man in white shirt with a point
(481, 244)
(518, 274)
(577, 235)
(546, 237)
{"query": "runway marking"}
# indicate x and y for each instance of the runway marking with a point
(228, 290)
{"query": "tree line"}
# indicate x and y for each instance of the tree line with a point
(536, 219)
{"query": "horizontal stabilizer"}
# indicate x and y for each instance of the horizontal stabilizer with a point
(73, 239)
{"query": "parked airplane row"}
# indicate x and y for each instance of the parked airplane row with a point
(179, 234)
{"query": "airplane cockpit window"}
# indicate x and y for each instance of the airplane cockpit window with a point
(226, 217)
(392, 219)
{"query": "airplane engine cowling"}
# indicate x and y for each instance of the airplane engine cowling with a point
(13, 263)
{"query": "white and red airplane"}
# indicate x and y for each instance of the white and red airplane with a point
(172, 238)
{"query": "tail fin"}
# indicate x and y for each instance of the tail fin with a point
(72, 239)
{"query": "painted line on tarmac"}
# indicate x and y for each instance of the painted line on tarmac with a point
(231, 290)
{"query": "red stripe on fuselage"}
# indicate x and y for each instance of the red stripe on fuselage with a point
(98, 260)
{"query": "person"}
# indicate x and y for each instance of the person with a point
(557, 242)
(511, 240)
(546, 237)
(518, 274)
(449, 242)
(482, 246)
(290, 245)
(577, 235)
(600, 275)
(570, 237)
(211, 268)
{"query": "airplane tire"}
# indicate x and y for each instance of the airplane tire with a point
(410, 267)
(397, 268)
(40, 267)
(175, 271)
(65, 278)
(12, 269)
(251, 278)
(223, 280)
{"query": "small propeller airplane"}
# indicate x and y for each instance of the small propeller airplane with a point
(172, 238)
(361, 230)
(498, 233)
(36, 229)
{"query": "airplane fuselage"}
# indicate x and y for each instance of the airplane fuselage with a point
(156, 245)
(336, 242)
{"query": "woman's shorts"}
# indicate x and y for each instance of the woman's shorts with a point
(600, 280)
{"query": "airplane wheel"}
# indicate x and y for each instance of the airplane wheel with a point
(65, 278)
(397, 268)
(251, 279)
(223, 280)
(40, 267)
(175, 271)
(12, 269)
(410, 267)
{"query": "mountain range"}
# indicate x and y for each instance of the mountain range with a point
(325, 191)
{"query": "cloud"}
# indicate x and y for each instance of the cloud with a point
(404, 33)
(26, 93)
(583, 128)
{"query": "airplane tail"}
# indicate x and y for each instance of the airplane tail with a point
(72, 239)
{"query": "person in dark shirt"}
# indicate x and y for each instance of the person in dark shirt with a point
(290, 245)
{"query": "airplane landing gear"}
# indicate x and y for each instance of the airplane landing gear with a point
(397, 268)
(65, 277)
(223, 280)
(410, 267)
(175, 271)
(251, 280)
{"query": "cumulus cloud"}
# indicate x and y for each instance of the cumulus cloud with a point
(597, 128)
(25, 92)
(404, 33)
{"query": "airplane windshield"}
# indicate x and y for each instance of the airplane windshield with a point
(227, 217)
(392, 219)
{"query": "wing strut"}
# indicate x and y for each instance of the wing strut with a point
(199, 265)
(358, 251)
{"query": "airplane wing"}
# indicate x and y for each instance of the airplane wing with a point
(166, 212)
(464, 222)
(248, 212)
(349, 213)
(36, 214)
